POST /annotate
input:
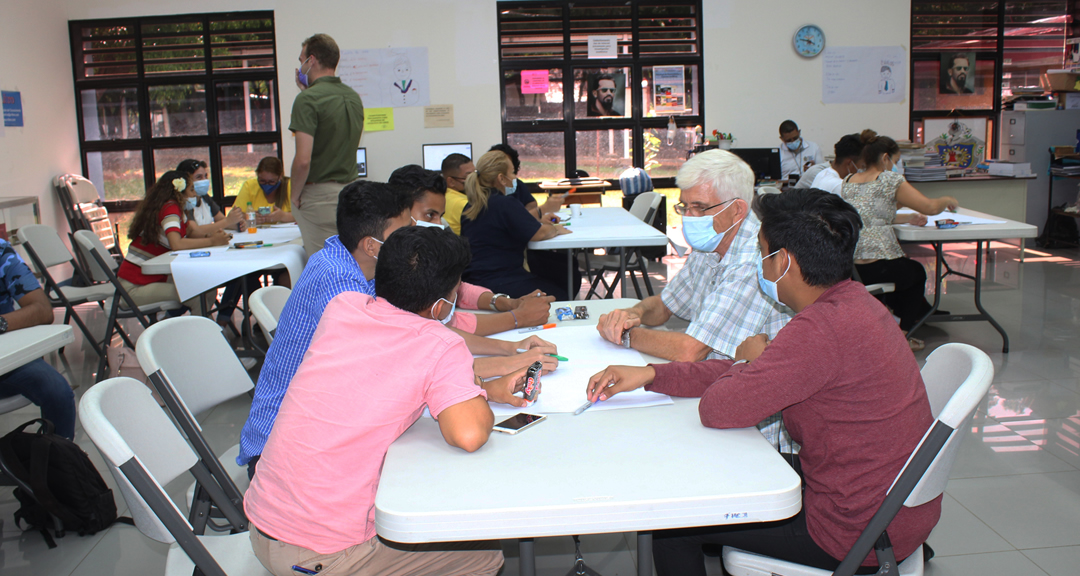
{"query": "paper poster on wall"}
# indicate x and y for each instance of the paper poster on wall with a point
(388, 77)
(378, 119)
(534, 82)
(669, 90)
(13, 113)
(439, 116)
(603, 47)
(863, 75)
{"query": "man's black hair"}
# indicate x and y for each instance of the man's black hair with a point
(417, 181)
(418, 265)
(454, 161)
(509, 151)
(818, 228)
(788, 126)
(849, 146)
(364, 208)
(955, 57)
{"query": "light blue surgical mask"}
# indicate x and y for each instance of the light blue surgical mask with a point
(450, 316)
(699, 234)
(425, 224)
(509, 190)
(794, 145)
(202, 187)
(769, 286)
(898, 167)
(189, 204)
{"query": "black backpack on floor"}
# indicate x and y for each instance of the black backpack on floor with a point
(58, 486)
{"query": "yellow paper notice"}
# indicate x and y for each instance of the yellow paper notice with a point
(378, 119)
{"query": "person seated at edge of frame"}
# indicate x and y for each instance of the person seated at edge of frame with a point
(847, 160)
(455, 170)
(796, 154)
(367, 214)
(269, 191)
(876, 193)
(499, 229)
(157, 227)
(521, 190)
(426, 189)
(205, 216)
(850, 391)
(374, 364)
(36, 380)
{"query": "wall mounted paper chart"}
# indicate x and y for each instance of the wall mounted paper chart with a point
(387, 77)
(863, 75)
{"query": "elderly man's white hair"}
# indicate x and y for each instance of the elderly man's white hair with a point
(722, 172)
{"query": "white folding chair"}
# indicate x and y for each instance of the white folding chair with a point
(144, 452)
(102, 268)
(644, 208)
(266, 305)
(166, 352)
(46, 249)
(957, 377)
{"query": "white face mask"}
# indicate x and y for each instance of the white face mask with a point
(425, 224)
(380, 244)
(453, 307)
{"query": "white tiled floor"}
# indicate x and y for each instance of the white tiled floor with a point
(1012, 506)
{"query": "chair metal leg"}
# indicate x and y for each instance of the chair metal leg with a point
(644, 264)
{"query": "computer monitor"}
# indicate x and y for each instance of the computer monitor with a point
(361, 161)
(435, 153)
(765, 162)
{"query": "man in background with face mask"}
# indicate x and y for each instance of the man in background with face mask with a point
(842, 373)
(327, 120)
(796, 155)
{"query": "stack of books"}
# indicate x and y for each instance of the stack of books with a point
(924, 167)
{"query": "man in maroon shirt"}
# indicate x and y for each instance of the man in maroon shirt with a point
(841, 372)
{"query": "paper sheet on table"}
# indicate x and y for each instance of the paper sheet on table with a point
(960, 218)
(193, 276)
(564, 389)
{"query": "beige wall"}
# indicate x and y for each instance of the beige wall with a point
(754, 79)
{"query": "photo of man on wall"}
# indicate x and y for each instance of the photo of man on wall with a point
(607, 94)
(958, 73)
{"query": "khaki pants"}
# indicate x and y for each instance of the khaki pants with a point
(144, 294)
(378, 557)
(317, 214)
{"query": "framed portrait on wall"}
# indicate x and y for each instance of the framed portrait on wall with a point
(957, 73)
(607, 94)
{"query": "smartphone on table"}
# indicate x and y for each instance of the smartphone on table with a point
(518, 422)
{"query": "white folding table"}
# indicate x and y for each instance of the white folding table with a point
(602, 228)
(639, 469)
(980, 234)
(25, 345)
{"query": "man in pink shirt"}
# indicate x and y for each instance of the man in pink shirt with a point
(843, 376)
(372, 367)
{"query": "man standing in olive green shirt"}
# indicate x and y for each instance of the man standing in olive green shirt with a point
(327, 120)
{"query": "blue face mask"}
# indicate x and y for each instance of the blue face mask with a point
(202, 187)
(450, 316)
(189, 204)
(699, 234)
(794, 145)
(268, 188)
(898, 168)
(300, 75)
(769, 286)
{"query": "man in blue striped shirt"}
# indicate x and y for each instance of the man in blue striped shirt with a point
(367, 214)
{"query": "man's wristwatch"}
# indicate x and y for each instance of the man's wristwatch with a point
(626, 338)
(496, 297)
(3, 325)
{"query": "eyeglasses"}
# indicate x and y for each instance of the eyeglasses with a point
(683, 209)
(609, 90)
(461, 179)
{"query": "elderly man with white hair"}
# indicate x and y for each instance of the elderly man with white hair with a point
(717, 290)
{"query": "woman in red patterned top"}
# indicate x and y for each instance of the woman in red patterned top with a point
(159, 226)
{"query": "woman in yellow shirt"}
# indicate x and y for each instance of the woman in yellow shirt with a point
(268, 190)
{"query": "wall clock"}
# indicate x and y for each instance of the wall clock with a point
(809, 41)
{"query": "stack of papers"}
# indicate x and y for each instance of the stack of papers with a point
(925, 173)
(564, 389)
(958, 218)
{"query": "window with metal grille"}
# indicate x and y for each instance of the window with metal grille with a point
(555, 99)
(1008, 47)
(153, 91)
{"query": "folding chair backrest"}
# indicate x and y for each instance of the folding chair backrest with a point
(645, 206)
(957, 377)
(46, 244)
(82, 191)
(125, 422)
(197, 360)
(89, 244)
(266, 306)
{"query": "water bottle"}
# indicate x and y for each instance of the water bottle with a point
(252, 228)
